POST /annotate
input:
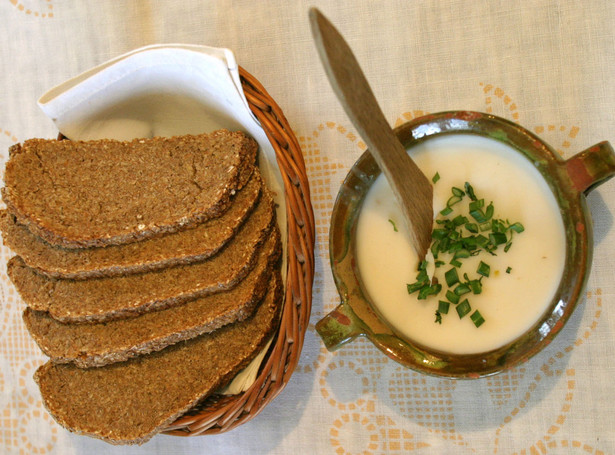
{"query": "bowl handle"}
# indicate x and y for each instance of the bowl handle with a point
(339, 327)
(591, 167)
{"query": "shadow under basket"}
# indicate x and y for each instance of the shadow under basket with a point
(220, 413)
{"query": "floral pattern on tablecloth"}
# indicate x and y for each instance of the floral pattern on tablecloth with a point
(36, 8)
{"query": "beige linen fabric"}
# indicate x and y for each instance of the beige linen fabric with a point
(547, 65)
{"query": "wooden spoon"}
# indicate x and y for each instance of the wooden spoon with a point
(413, 190)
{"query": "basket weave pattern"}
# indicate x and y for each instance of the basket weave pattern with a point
(221, 414)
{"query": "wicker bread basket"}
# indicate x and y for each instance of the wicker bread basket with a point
(220, 413)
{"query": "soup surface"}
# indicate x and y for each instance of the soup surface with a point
(522, 281)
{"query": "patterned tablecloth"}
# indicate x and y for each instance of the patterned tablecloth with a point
(547, 65)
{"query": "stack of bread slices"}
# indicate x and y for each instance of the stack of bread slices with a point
(149, 270)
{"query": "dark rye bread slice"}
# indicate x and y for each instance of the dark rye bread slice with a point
(183, 247)
(94, 345)
(128, 402)
(101, 299)
(105, 192)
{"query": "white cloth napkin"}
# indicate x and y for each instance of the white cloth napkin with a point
(159, 90)
(156, 90)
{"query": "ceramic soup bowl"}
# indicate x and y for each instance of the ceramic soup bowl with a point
(569, 180)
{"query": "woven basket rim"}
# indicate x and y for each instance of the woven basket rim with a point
(225, 413)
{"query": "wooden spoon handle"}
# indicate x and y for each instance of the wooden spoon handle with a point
(412, 189)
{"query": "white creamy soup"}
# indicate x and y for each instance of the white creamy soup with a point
(521, 282)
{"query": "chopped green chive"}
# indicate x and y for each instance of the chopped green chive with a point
(455, 263)
(476, 286)
(472, 227)
(483, 269)
(498, 226)
(454, 236)
(452, 297)
(451, 277)
(477, 318)
(459, 220)
(453, 200)
(458, 192)
(438, 233)
(457, 238)
(486, 226)
(476, 204)
(469, 191)
(435, 248)
(429, 290)
(443, 306)
(517, 227)
(497, 238)
(393, 223)
(462, 253)
(482, 241)
(489, 211)
(462, 289)
(463, 308)
(414, 287)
